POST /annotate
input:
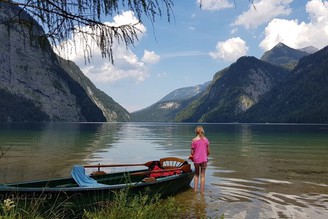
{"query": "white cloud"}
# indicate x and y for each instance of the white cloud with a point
(317, 10)
(150, 57)
(230, 50)
(183, 54)
(263, 12)
(214, 5)
(300, 34)
(126, 64)
(285, 31)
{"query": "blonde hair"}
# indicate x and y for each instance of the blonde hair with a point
(199, 130)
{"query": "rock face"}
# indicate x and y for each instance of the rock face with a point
(251, 90)
(112, 111)
(31, 72)
(289, 86)
(300, 98)
(233, 91)
(285, 56)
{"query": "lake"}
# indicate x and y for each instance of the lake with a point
(254, 171)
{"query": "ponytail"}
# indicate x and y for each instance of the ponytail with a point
(199, 130)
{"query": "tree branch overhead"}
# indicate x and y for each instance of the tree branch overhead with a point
(62, 19)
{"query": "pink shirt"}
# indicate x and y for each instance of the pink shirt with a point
(200, 145)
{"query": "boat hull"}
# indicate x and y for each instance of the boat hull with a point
(65, 190)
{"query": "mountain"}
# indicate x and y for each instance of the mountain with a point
(233, 91)
(253, 90)
(36, 85)
(184, 93)
(112, 111)
(285, 56)
(301, 98)
(166, 108)
(309, 49)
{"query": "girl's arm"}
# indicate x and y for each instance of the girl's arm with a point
(191, 157)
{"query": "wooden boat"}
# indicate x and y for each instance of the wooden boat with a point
(67, 190)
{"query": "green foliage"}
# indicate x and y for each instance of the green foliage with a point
(32, 210)
(7, 209)
(137, 207)
(122, 206)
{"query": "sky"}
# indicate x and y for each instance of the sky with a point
(196, 43)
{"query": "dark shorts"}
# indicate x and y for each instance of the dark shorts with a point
(202, 165)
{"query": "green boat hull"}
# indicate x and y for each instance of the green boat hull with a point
(65, 191)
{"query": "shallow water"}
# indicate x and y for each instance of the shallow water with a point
(254, 171)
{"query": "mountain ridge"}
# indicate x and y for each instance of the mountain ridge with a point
(166, 108)
(231, 97)
(235, 90)
(285, 56)
(301, 98)
(31, 73)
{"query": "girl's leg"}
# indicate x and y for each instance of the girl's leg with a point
(196, 177)
(202, 179)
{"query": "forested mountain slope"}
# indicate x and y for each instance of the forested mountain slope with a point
(35, 86)
(233, 91)
(301, 98)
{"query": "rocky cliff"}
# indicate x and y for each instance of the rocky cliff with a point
(111, 110)
(36, 82)
(233, 91)
(300, 98)
(285, 56)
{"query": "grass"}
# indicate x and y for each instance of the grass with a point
(137, 207)
(31, 210)
(122, 206)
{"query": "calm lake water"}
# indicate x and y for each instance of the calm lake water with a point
(255, 170)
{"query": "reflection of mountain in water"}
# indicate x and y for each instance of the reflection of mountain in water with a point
(46, 150)
(172, 138)
(254, 170)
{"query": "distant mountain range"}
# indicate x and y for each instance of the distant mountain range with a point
(37, 85)
(285, 85)
(166, 108)
(285, 56)
(234, 91)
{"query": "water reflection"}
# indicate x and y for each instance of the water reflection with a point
(46, 150)
(264, 172)
(258, 199)
(255, 170)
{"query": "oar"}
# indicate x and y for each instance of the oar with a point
(185, 168)
(118, 165)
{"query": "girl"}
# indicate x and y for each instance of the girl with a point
(199, 155)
